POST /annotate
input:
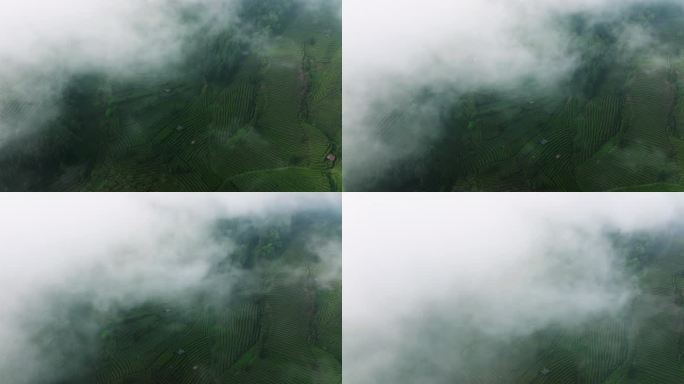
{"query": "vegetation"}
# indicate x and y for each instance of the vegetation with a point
(641, 343)
(252, 107)
(276, 321)
(617, 124)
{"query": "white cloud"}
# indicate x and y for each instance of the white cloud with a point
(43, 43)
(500, 265)
(395, 48)
(112, 251)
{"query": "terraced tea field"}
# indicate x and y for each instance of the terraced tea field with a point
(275, 321)
(280, 336)
(261, 113)
(615, 125)
(640, 343)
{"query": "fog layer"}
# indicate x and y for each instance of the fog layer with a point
(44, 43)
(396, 51)
(112, 252)
(431, 279)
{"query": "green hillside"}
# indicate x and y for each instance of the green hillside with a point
(615, 124)
(265, 315)
(640, 344)
(253, 106)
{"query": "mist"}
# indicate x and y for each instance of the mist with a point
(439, 288)
(110, 253)
(399, 52)
(44, 45)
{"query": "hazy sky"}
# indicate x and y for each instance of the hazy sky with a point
(423, 273)
(395, 48)
(114, 251)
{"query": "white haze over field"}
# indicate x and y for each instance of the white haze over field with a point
(423, 273)
(112, 251)
(96, 34)
(394, 48)
(44, 42)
